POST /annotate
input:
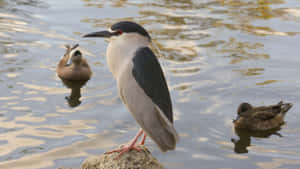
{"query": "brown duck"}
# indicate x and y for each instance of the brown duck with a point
(73, 66)
(261, 118)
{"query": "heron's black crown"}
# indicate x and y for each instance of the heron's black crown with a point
(130, 27)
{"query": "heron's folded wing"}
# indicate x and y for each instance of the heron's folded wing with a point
(149, 75)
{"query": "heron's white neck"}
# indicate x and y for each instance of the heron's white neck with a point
(121, 50)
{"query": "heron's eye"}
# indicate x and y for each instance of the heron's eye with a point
(120, 32)
(117, 32)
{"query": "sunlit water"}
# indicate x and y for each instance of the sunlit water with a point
(215, 54)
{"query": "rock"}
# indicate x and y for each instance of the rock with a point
(129, 160)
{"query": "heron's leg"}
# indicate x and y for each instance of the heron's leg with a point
(127, 147)
(144, 139)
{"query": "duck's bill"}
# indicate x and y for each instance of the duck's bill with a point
(101, 34)
(237, 118)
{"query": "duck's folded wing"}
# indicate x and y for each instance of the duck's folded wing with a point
(265, 115)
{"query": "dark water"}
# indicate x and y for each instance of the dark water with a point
(215, 54)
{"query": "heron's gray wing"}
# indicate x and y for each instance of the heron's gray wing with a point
(149, 75)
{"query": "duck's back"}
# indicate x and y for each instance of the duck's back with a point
(267, 119)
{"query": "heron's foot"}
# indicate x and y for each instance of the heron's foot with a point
(123, 149)
(143, 140)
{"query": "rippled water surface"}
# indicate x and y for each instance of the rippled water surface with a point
(215, 54)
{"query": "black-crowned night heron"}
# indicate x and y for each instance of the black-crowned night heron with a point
(141, 83)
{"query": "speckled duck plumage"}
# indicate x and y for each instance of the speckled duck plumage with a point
(261, 118)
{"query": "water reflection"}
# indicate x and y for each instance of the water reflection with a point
(35, 3)
(240, 146)
(240, 51)
(247, 11)
(75, 94)
(250, 71)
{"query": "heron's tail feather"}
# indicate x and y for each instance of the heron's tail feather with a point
(164, 133)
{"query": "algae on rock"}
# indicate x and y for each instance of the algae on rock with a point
(130, 160)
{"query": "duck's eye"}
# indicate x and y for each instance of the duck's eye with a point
(77, 53)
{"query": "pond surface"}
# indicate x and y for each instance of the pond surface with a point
(215, 54)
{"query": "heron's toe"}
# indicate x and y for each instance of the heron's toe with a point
(123, 149)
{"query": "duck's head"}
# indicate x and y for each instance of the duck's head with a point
(243, 108)
(74, 55)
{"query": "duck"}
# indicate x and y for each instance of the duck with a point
(261, 118)
(73, 66)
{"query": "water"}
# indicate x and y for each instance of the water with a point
(215, 54)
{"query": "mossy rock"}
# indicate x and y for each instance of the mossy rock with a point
(130, 160)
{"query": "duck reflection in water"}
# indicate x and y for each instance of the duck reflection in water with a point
(75, 95)
(240, 145)
(74, 71)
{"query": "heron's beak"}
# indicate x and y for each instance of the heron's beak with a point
(101, 34)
